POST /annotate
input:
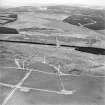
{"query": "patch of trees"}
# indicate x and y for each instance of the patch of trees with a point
(8, 18)
(92, 50)
(87, 21)
(6, 30)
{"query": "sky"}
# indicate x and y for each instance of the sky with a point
(15, 3)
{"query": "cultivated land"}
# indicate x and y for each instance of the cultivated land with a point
(41, 66)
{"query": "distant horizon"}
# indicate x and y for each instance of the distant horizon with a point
(74, 5)
(20, 3)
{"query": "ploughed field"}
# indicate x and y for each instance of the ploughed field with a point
(48, 61)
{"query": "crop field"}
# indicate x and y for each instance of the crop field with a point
(51, 62)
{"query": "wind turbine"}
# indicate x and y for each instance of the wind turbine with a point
(63, 90)
(57, 43)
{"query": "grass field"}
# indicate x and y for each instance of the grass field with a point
(34, 74)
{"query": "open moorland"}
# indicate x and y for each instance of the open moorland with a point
(47, 61)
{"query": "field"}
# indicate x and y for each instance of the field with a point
(37, 67)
